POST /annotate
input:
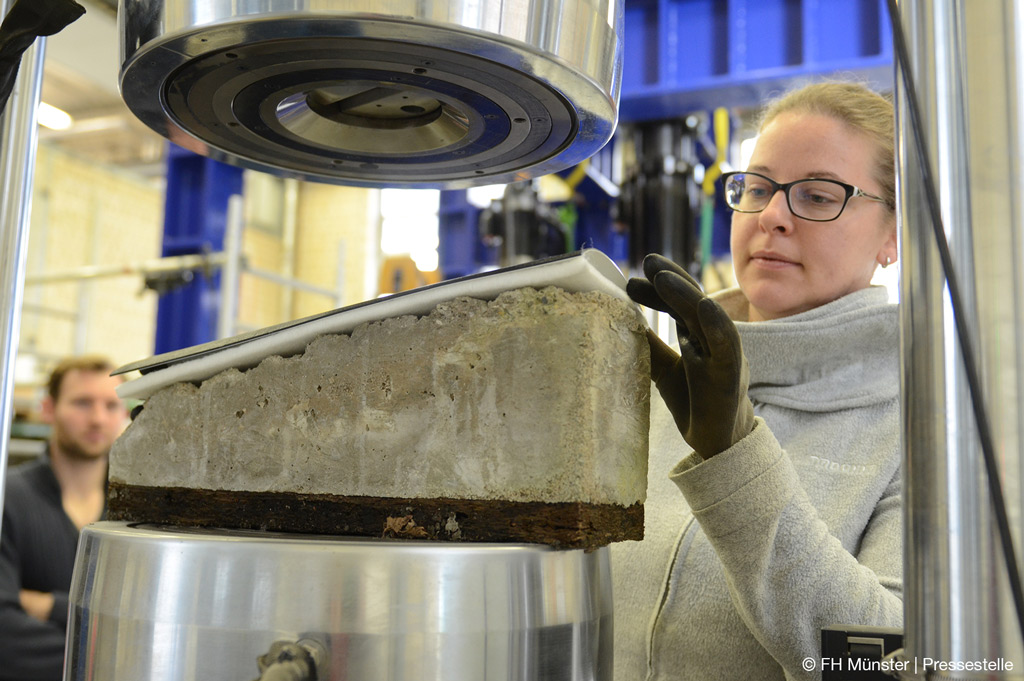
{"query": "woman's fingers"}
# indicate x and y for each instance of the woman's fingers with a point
(654, 263)
(720, 331)
(718, 328)
(663, 357)
(683, 297)
(642, 291)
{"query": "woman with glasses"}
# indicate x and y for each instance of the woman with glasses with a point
(782, 421)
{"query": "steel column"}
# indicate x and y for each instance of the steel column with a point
(18, 139)
(967, 61)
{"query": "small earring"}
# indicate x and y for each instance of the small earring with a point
(888, 261)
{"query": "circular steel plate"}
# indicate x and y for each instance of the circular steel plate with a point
(368, 101)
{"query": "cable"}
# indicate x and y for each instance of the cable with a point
(962, 331)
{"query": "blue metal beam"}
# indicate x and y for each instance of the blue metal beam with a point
(692, 55)
(195, 220)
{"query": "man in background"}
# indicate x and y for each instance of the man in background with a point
(46, 504)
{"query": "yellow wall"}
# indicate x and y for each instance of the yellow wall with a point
(82, 215)
(259, 300)
(336, 247)
(337, 233)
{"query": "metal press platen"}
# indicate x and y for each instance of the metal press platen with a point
(443, 94)
(166, 604)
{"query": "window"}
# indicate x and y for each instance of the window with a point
(409, 225)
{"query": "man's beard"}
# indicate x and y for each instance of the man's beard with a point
(76, 452)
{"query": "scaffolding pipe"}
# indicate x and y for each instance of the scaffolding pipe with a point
(18, 139)
(177, 263)
(295, 284)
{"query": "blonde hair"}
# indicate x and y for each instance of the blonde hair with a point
(859, 107)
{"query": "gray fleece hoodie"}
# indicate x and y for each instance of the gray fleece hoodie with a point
(796, 527)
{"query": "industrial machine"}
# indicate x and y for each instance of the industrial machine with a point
(439, 93)
(416, 94)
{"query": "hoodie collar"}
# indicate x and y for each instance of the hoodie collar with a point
(840, 355)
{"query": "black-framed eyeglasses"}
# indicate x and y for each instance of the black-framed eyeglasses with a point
(810, 199)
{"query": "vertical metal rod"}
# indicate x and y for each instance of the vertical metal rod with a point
(966, 60)
(18, 139)
(289, 227)
(230, 276)
(86, 288)
(339, 282)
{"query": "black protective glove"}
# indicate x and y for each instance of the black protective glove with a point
(705, 385)
(26, 21)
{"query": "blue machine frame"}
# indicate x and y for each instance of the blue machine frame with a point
(195, 220)
(681, 56)
(692, 55)
(685, 56)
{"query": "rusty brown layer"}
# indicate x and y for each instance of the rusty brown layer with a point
(563, 525)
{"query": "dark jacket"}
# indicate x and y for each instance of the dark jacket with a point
(37, 551)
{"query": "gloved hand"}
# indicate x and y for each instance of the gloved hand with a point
(705, 385)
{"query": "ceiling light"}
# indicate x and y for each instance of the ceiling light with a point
(52, 117)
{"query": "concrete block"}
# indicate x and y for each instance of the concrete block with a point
(480, 411)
